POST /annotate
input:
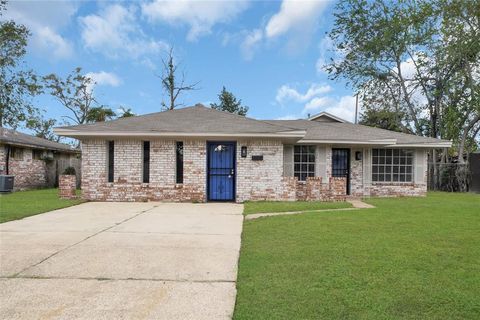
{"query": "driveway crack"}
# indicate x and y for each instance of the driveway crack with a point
(78, 242)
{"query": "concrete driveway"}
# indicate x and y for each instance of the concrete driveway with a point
(121, 261)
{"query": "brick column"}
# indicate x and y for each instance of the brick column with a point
(67, 186)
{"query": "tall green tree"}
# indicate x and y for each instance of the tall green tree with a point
(417, 58)
(43, 128)
(228, 102)
(100, 114)
(17, 84)
(126, 112)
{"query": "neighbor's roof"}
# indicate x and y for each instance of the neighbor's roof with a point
(12, 137)
(349, 133)
(206, 122)
(191, 121)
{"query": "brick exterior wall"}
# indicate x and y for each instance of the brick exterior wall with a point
(128, 171)
(67, 186)
(357, 188)
(255, 180)
(29, 173)
(3, 159)
(260, 180)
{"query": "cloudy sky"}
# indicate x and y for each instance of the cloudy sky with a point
(269, 54)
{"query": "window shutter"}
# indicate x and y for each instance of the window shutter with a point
(367, 166)
(321, 160)
(287, 160)
(420, 166)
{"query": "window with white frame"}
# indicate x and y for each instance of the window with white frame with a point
(392, 165)
(303, 162)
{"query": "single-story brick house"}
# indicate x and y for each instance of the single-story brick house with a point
(34, 162)
(201, 154)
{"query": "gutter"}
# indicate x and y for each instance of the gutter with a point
(73, 134)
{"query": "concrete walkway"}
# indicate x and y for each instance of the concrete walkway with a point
(121, 261)
(356, 205)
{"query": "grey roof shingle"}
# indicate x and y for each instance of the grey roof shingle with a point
(204, 121)
(196, 119)
(9, 136)
(351, 132)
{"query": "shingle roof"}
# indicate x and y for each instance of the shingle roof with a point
(193, 120)
(202, 121)
(351, 132)
(12, 137)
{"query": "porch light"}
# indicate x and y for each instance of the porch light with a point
(243, 152)
(358, 155)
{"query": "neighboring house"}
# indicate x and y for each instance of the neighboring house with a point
(201, 154)
(35, 162)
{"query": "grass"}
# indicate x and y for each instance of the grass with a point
(409, 258)
(21, 204)
(285, 206)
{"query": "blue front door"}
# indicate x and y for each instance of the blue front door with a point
(221, 171)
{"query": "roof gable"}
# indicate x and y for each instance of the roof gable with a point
(326, 117)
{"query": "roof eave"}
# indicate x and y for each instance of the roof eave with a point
(383, 142)
(442, 144)
(78, 133)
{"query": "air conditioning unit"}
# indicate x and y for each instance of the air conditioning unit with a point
(6, 183)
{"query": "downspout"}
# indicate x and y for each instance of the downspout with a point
(7, 159)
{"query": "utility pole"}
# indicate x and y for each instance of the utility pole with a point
(356, 108)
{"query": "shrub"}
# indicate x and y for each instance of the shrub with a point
(69, 171)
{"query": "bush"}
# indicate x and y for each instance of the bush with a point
(69, 171)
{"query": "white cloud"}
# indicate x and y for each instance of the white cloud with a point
(199, 16)
(44, 19)
(287, 93)
(250, 43)
(343, 108)
(103, 78)
(315, 99)
(318, 103)
(288, 117)
(116, 33)
(294, 15)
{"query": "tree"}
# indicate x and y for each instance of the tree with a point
(17, 85)
(229, 103)
(100, 114)
(74, 93)
(384, 119)
(43, 128)
(172, 83)
(126, 112)
(419, 59)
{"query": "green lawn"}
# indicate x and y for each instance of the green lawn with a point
(409, 258)
(285, 206)
(21, 204)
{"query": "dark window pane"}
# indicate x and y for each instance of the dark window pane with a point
(179, 156)
(296, 158)
(146, 161)
(388, 152)
(408, 177)
(311, 168)
(111, 160)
